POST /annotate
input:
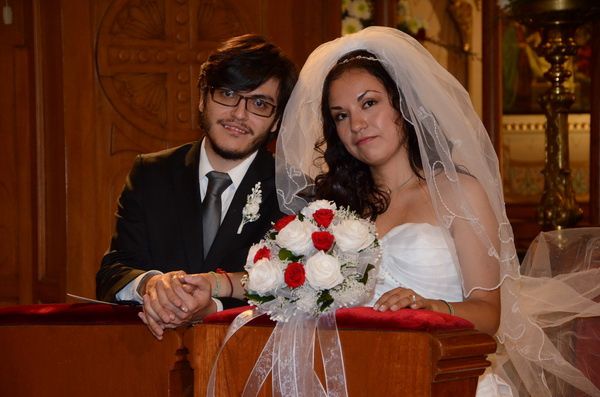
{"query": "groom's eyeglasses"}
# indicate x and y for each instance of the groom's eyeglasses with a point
(254, 104)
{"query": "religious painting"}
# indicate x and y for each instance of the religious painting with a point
(523, 70)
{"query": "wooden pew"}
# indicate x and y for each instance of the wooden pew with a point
(445, 362)
(87, 350)
(101, 350)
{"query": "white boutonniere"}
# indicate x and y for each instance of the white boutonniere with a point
(250, 211)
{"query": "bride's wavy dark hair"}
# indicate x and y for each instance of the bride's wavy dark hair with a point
(348, 181)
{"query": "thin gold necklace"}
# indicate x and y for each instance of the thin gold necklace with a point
(402, 185)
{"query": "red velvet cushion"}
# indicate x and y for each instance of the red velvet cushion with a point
(356, 317)
(367, 318)
(67, 313)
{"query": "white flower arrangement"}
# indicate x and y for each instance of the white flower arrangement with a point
(250, 211)
(407, 22)
(312, 263)
(351, 25)
(356, 15)
(360, 9)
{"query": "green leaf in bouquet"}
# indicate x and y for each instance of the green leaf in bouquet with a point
(258, 298)
(287, 255)
(324, 300)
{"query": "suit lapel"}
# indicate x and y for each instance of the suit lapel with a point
(261, 169)
(187, 193)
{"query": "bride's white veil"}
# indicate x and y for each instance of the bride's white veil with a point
(455, 150)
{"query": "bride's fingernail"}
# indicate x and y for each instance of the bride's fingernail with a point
(381, 308)
(375, 307)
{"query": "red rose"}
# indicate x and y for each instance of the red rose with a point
(280, 224)
(322, 240)
(294, 275)
(323, 217)
(262, 253)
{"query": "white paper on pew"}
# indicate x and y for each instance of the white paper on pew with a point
(89, 300)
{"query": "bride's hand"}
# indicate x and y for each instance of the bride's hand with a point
(399, 298)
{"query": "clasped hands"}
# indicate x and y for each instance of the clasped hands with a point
(174, 299)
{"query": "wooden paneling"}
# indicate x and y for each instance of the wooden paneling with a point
(49, 270)
(8, 181)
(17, 160)
(87, 360)
(595, 129)
(84, 143)
(491, 73)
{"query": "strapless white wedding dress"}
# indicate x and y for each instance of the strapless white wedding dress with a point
(416, 256)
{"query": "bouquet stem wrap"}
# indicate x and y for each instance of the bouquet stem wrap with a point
(289, 355)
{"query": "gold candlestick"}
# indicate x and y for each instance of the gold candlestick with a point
(556, 20)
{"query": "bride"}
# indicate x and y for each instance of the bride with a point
(376, 124)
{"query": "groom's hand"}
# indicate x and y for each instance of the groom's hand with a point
(201, 303)
(165, 302)
(170, 302)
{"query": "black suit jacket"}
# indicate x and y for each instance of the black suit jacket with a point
(159, 220)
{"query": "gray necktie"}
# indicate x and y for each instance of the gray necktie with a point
(211, 206)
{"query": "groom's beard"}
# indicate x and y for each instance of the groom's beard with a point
(228, 154)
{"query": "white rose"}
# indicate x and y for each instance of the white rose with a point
(317, 205)
(323, 271)
(265, 276)
(352, 235)
(297, 237)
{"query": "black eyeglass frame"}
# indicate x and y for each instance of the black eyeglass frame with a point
(239, 98)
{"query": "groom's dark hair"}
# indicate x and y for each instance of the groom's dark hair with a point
(245, 62)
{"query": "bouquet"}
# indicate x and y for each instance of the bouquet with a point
(315, 262)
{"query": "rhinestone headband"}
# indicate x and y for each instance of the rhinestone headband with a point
(366, 58)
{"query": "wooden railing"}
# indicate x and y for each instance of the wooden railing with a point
(88, 355)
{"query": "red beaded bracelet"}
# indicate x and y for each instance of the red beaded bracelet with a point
(221, 271)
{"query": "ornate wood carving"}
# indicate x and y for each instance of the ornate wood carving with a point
(148, 55)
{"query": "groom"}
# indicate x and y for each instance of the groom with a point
(167, 221)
